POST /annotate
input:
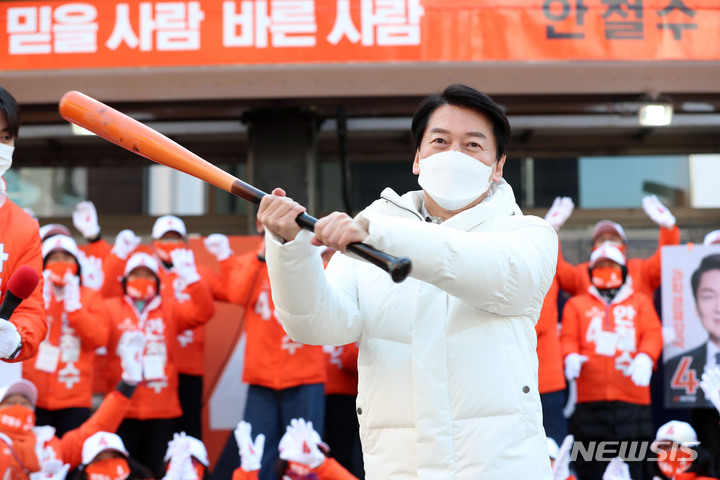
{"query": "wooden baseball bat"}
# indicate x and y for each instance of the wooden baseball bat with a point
(122, 130)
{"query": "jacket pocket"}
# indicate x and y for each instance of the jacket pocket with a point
(525, 390)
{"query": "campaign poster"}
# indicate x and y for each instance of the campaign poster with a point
(690, 310)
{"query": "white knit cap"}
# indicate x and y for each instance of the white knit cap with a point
(59, 243)
(712, 237)
(23, 387)
(168, 223)
(677, 431)
(141, 259)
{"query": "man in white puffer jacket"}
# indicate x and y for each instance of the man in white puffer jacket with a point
(447, 363)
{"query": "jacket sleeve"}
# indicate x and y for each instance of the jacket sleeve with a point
(99, 248)
(29, 316)
(651, 341)
(572, 279)
(240, 273)
(570, 334)
(91, 320)
(310, 309)
(198, 310)
(113, 269)
(651, 266)
(218, 286)
(506, 271)
(107, 418)
(330, 469)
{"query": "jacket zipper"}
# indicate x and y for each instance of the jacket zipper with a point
(402, 207)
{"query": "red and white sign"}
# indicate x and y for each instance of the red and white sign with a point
(131, 33)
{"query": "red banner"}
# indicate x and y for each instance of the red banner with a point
(131, 33)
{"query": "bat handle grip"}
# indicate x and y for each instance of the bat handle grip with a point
(397, 267)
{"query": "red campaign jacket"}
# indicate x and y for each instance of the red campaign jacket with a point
(632, 317)
(575, 279)
(99, 249)
(330, 469)
(77, 334)
(20, 245)
(342, 374)
(107, 418)
(190, 343)
(160, 320)
(68, 449)
(551, 377)
(272, 358)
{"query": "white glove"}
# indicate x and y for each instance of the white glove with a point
(658, 212)
(9, 339)
(180, 466)
(219, 245)
(183, 261)
(559, 212)
(299, 444)
(71, 293)
(130, 350)
(710, 384)
(617, 470)
(47, 288)
(561, 465)
(93, 275)
(573, 364)
(668, 335)
(125, 242)
(56, 470)
(250, 452)
(85, 219)
(640, 370)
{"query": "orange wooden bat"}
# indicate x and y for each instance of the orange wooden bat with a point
(122, 130)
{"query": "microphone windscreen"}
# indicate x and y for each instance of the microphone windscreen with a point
(23, 281)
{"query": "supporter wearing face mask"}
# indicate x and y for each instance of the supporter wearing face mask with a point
(679, 455)
(645, 272)
(104, 457)
(21, 335)
(26, 449)
(611, 338)
(148, 308)
(77, 325)
(177, 270)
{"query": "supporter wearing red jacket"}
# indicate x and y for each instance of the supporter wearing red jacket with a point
(286, 379)
(148, 308)
(27, 449)
(551, 380)
(20, 245)
(645, 272)
(611, 338)
(77, 325)
(169, 234)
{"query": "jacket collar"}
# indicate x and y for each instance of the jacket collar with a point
(499, 202)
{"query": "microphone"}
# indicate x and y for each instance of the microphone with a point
(20, 286)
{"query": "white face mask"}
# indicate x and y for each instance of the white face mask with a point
(453, 179)
(6, 153)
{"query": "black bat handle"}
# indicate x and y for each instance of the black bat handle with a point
(397, 267)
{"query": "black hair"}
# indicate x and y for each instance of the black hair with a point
(466, 97)
(711, 262)
(10, 108)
